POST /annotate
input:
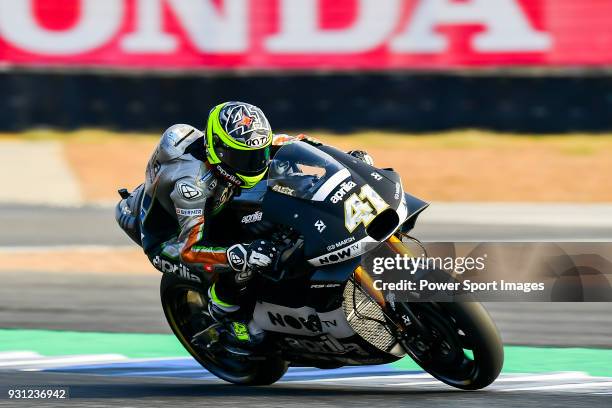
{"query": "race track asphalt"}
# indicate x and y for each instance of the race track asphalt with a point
(99, 302)
(41, 225)
(97, 391)
(110, 302)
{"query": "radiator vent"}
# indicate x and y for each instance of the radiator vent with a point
(360, 314)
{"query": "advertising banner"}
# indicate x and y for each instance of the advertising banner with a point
(305, 34)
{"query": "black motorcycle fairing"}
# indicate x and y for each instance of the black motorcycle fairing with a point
(325, 351)
(243, 218)
(414, 204)
(415, 208)
(321, 317)
(335, 274)
(316, 207)
(387, 183)
(301, 215)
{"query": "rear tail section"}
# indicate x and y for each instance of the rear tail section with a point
(127, 211)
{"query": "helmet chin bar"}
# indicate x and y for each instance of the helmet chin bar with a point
(226, 173)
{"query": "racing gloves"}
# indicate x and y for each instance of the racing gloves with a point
(363, 156)
(259, 255)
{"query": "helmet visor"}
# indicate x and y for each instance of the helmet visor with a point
(247, 162)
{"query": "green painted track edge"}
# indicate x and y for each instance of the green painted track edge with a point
(523, 359)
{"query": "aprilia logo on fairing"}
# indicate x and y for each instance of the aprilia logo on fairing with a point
(247, 219)
(325, 344)
(344, 188)
(180, 270)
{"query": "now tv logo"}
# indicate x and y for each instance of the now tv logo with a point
(257, 32)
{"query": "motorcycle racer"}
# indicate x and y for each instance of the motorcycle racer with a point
(189, 179)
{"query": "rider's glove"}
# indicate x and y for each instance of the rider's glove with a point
(363, 156)
(258, 255)
(261, 255)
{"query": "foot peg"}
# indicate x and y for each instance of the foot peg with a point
(124, 193)
(207, 338)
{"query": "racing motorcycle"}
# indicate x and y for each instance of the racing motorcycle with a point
(318, 307)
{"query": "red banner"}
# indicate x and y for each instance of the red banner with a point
(305, 34)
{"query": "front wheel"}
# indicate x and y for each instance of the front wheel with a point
(185, 305)
(461, 346)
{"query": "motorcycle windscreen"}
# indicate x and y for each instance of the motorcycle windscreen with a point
(300, 170)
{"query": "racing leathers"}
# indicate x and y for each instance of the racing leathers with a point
(182, 192)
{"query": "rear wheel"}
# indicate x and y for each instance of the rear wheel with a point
(185, 307)
(461, 345)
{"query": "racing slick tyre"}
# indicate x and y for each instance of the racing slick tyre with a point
(185, 307)
(464, 350)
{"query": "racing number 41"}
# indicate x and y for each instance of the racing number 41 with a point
(363, 208)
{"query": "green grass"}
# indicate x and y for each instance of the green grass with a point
(54, 343)
(522, 359)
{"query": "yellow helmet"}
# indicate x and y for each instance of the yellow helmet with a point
(238, 140)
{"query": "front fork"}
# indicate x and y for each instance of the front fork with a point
(408, 327)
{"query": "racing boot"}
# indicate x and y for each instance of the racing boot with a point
(243, 333)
